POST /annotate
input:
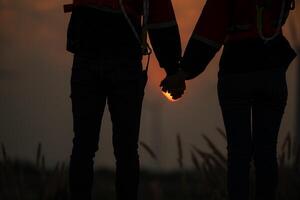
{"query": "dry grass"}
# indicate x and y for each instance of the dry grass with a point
(27, 181)
(211, 168)
(23, 180)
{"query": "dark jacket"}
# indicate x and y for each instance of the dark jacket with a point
(245, 28)
(99, 28)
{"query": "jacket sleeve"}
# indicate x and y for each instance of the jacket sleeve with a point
(164, 34)
(208, 37)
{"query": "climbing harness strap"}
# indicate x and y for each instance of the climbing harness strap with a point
(145, 47)
(286, 6)
(260, 20)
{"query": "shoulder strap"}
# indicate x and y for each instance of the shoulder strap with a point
(146, 50)
(145, 47)
(285, 9)
(260, 21)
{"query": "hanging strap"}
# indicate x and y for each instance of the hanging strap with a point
(286, 6)
(143, 38)
(260, 21)
(145, 47)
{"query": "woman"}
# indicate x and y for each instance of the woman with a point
(252, 85)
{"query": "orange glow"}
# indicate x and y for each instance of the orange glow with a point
(169, 97)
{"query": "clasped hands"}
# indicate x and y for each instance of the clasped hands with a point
(174, 84)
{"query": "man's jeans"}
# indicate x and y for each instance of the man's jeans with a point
(93, 83)
(252, 105)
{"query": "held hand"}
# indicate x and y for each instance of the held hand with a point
(174, 84)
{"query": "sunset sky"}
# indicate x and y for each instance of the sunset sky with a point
(35, 107)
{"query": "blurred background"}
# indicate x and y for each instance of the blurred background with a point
(35, 107)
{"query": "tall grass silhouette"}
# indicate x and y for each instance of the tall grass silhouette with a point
(33, 181)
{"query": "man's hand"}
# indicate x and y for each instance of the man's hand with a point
(174, 84)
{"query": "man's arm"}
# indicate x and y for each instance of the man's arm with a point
(164, 35)
(208, 37)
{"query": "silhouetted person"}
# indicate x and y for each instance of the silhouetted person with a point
(252, 86)
(108, 41)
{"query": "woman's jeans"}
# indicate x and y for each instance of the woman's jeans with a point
(93, 83)
(252, 105)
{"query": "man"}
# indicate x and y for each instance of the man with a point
(108, 41)
(252, 84)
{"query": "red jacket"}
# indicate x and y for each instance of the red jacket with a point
(232, 21)
(236, 19)
(162, 26)
(161, 12)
